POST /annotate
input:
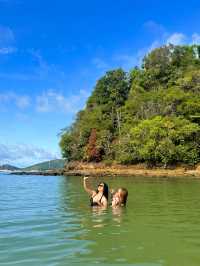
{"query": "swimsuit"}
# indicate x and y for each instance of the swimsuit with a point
(92, 203)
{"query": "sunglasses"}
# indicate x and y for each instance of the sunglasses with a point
(100, 185)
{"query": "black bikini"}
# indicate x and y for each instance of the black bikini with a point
(92, 203)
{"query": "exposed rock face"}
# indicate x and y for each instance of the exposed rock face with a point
(198, 168)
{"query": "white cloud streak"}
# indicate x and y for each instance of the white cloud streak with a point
(196, 38)
(53, 101)
(21, 101)
(23, 155)
(176, 38)
(7, 50)
(46, 102)
(128, 60)
(6, 40)
(155, 28)
(99, 63)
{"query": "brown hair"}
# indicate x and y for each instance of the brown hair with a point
(123, 195)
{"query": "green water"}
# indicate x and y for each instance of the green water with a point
(47, 221)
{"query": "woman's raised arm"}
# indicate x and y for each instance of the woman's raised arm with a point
(88, 190)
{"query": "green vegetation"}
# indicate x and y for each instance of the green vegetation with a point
(151, 114)
(48, 165)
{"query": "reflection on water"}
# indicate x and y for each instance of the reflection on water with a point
(98, 217)
(118, 214)
(48, 221)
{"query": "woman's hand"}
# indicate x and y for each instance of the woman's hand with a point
(115, 201)
(87, 189)
(112, 191)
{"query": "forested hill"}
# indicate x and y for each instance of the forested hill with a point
(151, 114)
(48, 165)
(8, 167)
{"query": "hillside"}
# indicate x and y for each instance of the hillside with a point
(149, 115)
(8, 167)
(48, 165)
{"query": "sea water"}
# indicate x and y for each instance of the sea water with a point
(47, 220)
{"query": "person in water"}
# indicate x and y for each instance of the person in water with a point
(98, 197)
(119, 197)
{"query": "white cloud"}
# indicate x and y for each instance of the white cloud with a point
(41, 69)
(196, 38)
(127, 61)
(162, 37)
(176, 38)
(153, 45)
(53, 101)
(99, 63)
(7, 50)
(155, 27)
(24, 155)
(42, 103)
(21, 101)
(48, 101)
(6, 40)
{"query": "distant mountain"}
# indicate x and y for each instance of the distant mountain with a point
(48, 165)
(8, 167)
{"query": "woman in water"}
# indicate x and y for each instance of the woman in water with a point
(119, 197)
(98, 197)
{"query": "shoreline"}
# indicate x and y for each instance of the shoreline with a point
(42, 173)
(141, 173)
(100, 169)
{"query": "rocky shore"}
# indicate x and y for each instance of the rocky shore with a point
(44, 173)
(101, 169)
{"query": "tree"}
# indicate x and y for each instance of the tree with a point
(146, 115)
(65, 145)
(93, 153)
(165, 140)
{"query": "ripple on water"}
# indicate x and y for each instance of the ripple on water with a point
(47, 221)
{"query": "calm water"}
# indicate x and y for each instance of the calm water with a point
(47, 221)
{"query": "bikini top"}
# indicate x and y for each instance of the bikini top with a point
(92, 203)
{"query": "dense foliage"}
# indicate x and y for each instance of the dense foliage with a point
(151, 114)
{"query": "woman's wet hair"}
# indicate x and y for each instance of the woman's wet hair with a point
(105, 189)
(124, 195)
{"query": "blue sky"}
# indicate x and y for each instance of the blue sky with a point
(52, 53)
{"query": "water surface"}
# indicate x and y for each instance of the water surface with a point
(48, 221)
